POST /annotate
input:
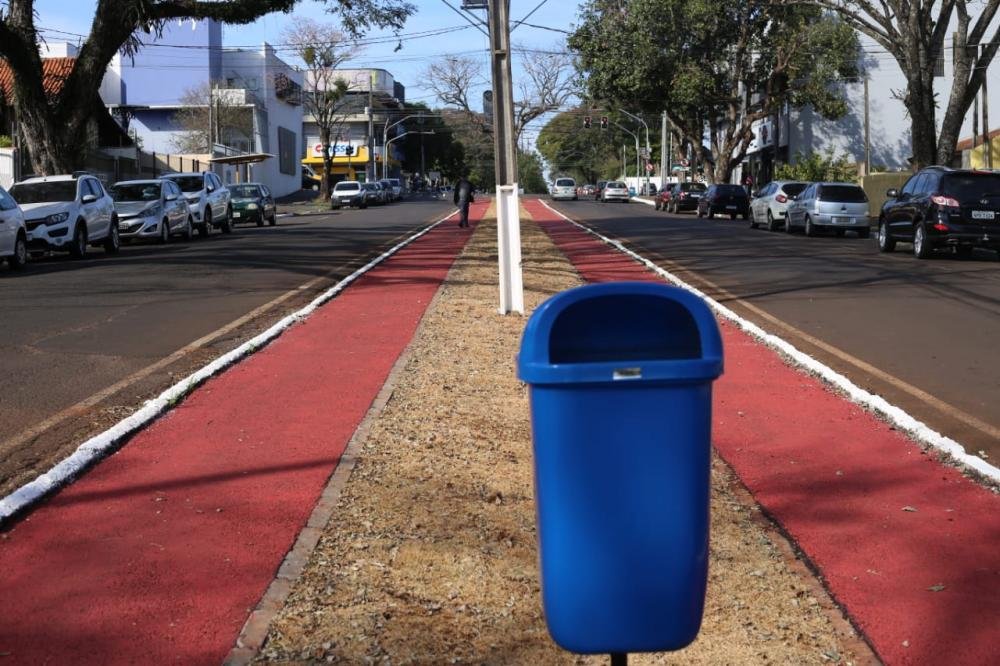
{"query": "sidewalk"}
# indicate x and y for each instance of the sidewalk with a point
(160, 552)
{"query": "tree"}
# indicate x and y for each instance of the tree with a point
(547, 86)
(231, 123)
(914, 32)
(432, 152)
(322, 49)
(529, 172)
(586, 155)
(715, 65)
(51, 122)
(817, 168)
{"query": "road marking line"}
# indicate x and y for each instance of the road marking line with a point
(893, 414)
(94, 448)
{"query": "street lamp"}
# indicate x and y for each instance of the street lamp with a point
(636, 137)
(385, 161)
(648, 149)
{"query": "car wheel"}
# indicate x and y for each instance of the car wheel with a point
(20, 256)
(788, 224)
(206, 225)
(188, 230)
(864, 232)
(273, 220)
(164, 232)
(810, 229)
(362, 206)
(698, 213)
(79, 247)
(656, 205)
(227, 222)
(260, 220)
(885, 242)
(961, 251)
(840, 232)
(771, 224)
(753, 221)
(921, 247)
(113, 242)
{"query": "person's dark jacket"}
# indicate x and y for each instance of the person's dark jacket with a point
(463, 192)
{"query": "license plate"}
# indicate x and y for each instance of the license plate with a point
(844, 220)
(696, 196)
(983, 215)
(235, 214)
(730, 207)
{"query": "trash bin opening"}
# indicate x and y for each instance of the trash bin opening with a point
(614, 328)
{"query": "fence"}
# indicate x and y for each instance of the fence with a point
(116, 165)
(875, 186)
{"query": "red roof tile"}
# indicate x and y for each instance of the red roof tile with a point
(54, 71)
(966, 144)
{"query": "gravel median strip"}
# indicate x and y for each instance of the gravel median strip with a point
(430, 556)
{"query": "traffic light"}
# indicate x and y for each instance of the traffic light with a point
(586, 122)
(604, 122)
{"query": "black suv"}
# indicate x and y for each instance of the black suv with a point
(941, 207)
(731, 200)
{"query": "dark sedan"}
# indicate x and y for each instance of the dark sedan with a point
(253, 202)
(731, 200)
(940, 207)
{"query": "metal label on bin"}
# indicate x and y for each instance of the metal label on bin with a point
(627, 373)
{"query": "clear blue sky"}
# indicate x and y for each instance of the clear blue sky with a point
(406, 65)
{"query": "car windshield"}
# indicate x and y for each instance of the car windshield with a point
(693, 187)
(189, 183)
(793, 189)
(52, 191)
(245, 191)
(344, 187)
(971, 187)
(617, 186)
(394, 182)
(842, 194)
(565, 182)
(135, 192)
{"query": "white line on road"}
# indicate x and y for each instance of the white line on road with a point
(891, 413)
(97, 446)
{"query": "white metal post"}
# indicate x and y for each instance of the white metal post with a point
(508, 216)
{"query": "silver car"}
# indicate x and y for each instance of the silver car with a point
(151, 210)
(836, 206)
(564, 188)
(615, 190)
(770, 204)
(13, 235)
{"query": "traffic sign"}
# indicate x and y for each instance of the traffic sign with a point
(649, 167)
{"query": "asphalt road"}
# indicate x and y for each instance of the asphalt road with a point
(924, 334)
(73, 328)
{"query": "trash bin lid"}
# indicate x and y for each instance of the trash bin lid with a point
(621, 332)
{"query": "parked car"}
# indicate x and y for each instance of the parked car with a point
(151, 210)
(253, 202)
(13, 234)
(209, 200)
(731, 200)
(564, 188)
(837, 206)
(373, 194)
(599, 189)
(348, 193)
(67, 213)
(770, 204)
(940, 207)
(310, 179)
(680, 196)
(394, 191)
(649, 189)
(615, 190)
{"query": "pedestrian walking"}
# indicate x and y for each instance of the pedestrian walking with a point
(463, 198)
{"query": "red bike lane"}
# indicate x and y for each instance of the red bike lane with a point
(159, 553)
(907, 545)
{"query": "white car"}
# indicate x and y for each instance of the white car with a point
(13, 235)
(348, 193)
(397, 187)
(770, 205)
(615, 190)
(208, 199)
(67, 213)
(564, 188)
(151, 209)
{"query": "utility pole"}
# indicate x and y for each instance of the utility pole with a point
(987, 142)
(370, 167)
(508, 214)
(868, 131)
(665, 137)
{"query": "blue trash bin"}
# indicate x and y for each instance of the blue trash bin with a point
(620, 378)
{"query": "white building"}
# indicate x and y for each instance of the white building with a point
(804, 131)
